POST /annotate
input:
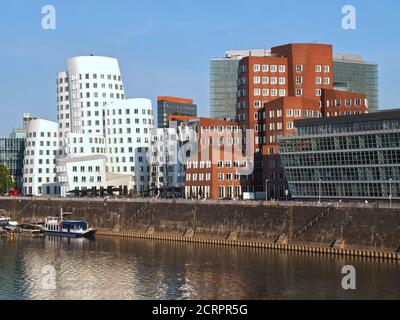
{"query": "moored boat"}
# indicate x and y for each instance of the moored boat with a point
(7, 224)
(58, 226)
(30, 229)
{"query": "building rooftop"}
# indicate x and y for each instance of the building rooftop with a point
(175, 99)
(393, 114)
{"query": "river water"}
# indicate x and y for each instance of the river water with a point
(113, 268)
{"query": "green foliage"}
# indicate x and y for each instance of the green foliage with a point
(6, 181)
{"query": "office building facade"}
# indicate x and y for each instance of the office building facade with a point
(167, 106)
(349, 73)
(224, 75)
(295, 81)
(353, 74)
(12, 151)
(167, 170)
(40, 176)
(348, 157)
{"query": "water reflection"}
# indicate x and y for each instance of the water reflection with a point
(109, 268)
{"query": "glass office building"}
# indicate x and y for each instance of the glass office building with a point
(350, 157)
(167, 106)
(12, 157)
(352, 73)
(224, 74)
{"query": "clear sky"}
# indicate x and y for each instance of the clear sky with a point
(164, 46)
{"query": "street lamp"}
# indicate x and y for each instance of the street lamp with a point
(390, 196)
(266, 189)
(319, 201)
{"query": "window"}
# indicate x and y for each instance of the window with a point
(299, 92)
(326, 69)
(318, 68)
(289, 125)
(318, 80)
(282, 69)
(274, 92)
(282, 92)
(257, 92)
(273, 68)
(274, 80)
(318, 92)
(282, 80)
(265, 68)
(220, 177)
(299, 68)
(257, 80)
(256, 68)
(265, 80)
(265, 92)
(257, 104)
(327, 80)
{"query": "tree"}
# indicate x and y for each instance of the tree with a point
(6, 180)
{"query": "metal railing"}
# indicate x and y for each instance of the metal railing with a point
(250, 203)
(313, 222)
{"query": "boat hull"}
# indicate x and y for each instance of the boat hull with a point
(88, 234)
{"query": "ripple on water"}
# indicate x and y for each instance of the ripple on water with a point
(128, 269)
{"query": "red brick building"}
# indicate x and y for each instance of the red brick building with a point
(280, 116)
(214, 159)
(295, 81)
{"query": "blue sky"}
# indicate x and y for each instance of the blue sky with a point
(164, 46)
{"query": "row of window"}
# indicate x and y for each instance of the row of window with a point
(42, 134)
(84, 179)
(128, 121)
(88, 76)
(271, 80)
(282, 68)
(104, 95)
(269, 68)
(347, 102)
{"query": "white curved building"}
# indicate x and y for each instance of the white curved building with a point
(128, 134)
(40, 158)
(96, 122)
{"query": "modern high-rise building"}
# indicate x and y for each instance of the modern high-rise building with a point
(167, 106)
(347, 157)
(352, 73)
(224, 74)
(267, 90)
(12, 152)
(103, 138)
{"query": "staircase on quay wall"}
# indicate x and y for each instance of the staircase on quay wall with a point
(309, 225)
